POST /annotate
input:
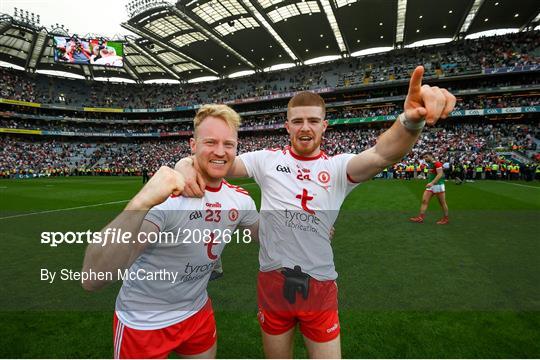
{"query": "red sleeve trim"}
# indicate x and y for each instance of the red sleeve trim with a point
(438, 165)
(351, 180)
(236, 188)
(153, 223)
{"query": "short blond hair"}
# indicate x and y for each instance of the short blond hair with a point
(221, 111)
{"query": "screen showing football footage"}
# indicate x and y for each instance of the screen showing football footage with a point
(99, 52)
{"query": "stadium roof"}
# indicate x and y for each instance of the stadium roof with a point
(201, 38)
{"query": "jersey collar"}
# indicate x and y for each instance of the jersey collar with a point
(305, 158)
(214, 189)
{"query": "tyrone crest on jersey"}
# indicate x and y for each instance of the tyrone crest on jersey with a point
(233, 215)
(323, 177)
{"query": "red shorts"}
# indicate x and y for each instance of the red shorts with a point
(317, 315)
(192, 336)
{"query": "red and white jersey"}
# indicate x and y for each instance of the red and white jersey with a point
(301, 198)
(165, 299)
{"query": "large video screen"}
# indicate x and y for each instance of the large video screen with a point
(72, 50)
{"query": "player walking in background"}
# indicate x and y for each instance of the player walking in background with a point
(155, 317)
(302, 192)
(434, 187)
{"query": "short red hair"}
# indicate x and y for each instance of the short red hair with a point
(307, 98)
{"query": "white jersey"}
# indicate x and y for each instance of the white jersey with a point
(165, 299)
(301, 198)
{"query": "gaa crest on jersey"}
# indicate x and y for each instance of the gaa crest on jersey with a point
(323, 177)
(284, 169)
(195, 215)
(233, 215)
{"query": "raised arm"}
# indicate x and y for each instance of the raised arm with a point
(112, 256)
(424, 104)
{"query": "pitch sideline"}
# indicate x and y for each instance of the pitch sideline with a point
(64, 209)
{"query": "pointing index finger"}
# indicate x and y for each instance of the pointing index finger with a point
(415, 84)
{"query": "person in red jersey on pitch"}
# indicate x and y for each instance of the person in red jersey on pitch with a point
(434, 187)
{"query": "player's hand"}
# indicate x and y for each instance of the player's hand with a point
(429, 185)
(332, 232)
(165, 182)
(427, 102)
(194, 183)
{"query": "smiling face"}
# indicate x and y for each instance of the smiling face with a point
(306, 126)
(214, 147)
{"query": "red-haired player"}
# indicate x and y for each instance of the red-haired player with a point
(302, 192)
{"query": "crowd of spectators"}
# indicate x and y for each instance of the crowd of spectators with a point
(496, 102)
(22, 156)
(466, 144)
(456, 57)
(469, 149)
(359, 111)
(15, 86)
(85, 127)
(453, 58)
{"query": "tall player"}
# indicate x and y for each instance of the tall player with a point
(434, 187)
(302, 191)
(156, 316)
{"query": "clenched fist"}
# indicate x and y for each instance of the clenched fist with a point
(165, 182)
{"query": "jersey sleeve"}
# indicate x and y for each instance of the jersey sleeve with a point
(254, 161)
(344, 183)
(159, 214)
(438, 165)
(249, 214)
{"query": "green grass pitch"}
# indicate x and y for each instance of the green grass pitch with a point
(469, 289)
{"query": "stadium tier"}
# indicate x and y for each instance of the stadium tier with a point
(100, 127)
(511, 53)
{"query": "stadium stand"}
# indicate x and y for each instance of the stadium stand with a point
(464, 143)
(452, 59)
(72, 141)
(360, 111)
